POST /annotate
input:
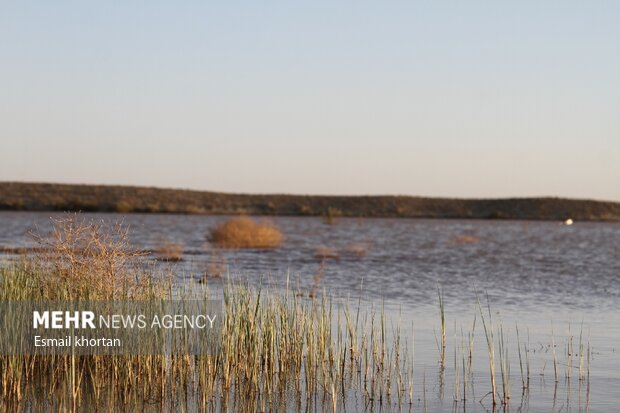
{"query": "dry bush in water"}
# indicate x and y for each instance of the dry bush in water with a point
(170, 251)
(464, 240)
(324, 253)
(82, 260)
(243, 232)
(358, 249)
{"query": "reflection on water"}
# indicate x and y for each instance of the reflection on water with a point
(536, 275)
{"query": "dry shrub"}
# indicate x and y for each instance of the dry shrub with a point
(170, 252)
(324, 253)
(358, 249)
(242, 232)
(82, 260)
(464, 240)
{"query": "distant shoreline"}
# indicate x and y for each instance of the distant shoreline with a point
(18, 196)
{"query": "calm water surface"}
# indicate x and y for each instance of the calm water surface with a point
(541, 275)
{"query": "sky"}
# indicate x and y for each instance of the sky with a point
(431, 98)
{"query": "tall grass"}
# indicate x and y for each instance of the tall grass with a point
(442, 317)
(525, 374)
(490, 339)
(504, 364)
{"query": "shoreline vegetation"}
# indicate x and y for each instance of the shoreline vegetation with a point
(277, 351)
(272, 344)
(18, 196)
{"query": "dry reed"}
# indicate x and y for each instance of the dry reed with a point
(270, 343)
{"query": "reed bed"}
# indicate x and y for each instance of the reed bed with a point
(272, 343)
(272, 346)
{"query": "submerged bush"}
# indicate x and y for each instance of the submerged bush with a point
(272, 343)
(243, 232)
(170, 251)
(464, 239)
(323, 253)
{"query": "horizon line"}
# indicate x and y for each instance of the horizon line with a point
(367, 195)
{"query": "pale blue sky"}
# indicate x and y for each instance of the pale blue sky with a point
(466, 99)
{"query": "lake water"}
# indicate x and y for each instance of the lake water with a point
(541, 275)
